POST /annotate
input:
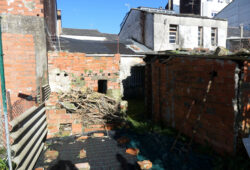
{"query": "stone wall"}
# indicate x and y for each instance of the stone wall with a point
(173, 84)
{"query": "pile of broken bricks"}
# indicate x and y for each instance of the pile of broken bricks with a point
(51, 155)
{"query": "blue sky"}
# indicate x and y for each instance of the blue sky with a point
(104, 15)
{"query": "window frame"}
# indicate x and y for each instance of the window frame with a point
(200, 36)
(214, 39)
(173, 34)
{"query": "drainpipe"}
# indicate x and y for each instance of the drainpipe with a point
(4, 99)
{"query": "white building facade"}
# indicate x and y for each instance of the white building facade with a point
(161, 31)
(210, 8)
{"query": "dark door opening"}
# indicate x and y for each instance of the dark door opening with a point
(102, 86)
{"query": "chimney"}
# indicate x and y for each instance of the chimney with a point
(59, 22)
(170, 5)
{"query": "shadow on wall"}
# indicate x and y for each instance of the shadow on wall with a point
(134, 84)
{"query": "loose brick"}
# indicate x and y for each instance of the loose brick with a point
(132, 151)
(98, 135)
(82, 166)
(51, 155)
(82, 154)
(76, 128)
(82, 138)
(40, 168)
(123, 140)
(145, 164)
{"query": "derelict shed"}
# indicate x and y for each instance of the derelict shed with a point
(180, 89)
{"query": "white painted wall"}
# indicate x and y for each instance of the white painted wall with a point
(238, 12)
(188, 32)
(125, 66)
(207, 6)
(212, 6)
(132, 29)
(157, 30)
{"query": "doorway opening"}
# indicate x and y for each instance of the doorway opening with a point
(102, 86)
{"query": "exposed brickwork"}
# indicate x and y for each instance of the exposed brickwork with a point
(24, 7)
(173, 85)
(246, 98)
(19, 64)
(88, 69)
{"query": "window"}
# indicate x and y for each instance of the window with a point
(214, 36)
(213, 14)
(200, 36)
(173, 34)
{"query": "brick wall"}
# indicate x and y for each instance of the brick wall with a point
(19, 64)
(86, 71)
(245, 92)
(76, 70)
(57, 117)
(24, 7)
(173, 84)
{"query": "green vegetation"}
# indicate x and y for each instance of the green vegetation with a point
(140, 123)
(3, 164)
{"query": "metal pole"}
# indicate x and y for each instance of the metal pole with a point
(4, 99)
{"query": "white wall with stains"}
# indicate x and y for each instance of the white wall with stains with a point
(156, 30)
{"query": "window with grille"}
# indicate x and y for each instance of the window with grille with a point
(214, 36)
(173, 34)
(200, 36)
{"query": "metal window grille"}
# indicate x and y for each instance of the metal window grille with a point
(173, 34)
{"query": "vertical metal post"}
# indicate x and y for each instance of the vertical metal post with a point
(4, 99)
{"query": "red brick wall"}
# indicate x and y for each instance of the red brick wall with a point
(179, 82)
(88, 68)
(246, 99)
(25, 7)
(19, 64)
(55, 117)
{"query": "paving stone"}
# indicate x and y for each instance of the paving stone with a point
(146, 164)
(82, 154)
(83, 166)
(132, 151)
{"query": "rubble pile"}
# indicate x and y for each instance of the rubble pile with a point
(95, 108)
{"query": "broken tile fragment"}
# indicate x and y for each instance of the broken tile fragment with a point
(83, 166)
(123, 140)
(51, 155)
(82, 138)
(132, 151)
(146, 164)
(82, 154)
(98, 135)
(40, 168)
